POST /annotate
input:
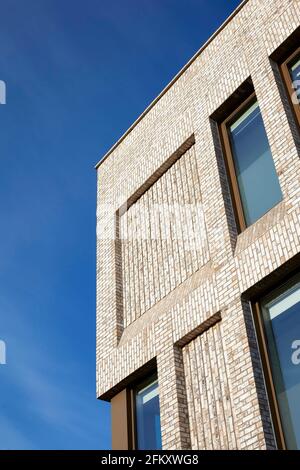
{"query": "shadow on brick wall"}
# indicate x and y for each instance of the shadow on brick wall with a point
(259, 378)
(231, 223)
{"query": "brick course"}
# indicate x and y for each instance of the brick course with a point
(152, 293)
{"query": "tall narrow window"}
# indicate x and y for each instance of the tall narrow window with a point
(148, 434)
(291, 74)
(280, 312)
(254, 181)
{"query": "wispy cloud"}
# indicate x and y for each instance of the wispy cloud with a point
(55, 401)
(11, 437)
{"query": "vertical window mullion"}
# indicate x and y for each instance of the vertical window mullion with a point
(268, 375)
(235, 193)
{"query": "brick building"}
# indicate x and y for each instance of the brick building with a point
(198, 249)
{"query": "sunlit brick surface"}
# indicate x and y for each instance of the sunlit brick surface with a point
(152, 293)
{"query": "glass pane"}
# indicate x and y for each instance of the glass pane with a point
(256, 176)
(295, 76)
(282, 322)
(148, 417)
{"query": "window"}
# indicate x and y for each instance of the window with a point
(291, 74)
(148, 434)
(136, 416)
(279, 325)
(254, 182)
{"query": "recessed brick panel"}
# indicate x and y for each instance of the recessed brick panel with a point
(152, 294)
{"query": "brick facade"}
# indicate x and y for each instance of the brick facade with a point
(179, 300)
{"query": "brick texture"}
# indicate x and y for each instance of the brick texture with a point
(155, 291)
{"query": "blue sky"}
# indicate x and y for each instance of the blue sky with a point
(77, 75)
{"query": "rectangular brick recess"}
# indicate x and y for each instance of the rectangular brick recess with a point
(157, 300)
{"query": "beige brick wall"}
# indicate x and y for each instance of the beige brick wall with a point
(158, 249)
(153, 293)
(211, 414)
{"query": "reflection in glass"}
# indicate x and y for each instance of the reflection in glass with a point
(148, 417)
(295, 76)
(256, 175)
(282, 323)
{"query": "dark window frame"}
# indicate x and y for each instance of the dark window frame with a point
(264, 354)
(285, 72)
(124, 422)
(261, 338)
(229, 161)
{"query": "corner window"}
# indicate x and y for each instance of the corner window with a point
(291, 74)
(148, 433)
(136, 416)
(254, 181)
(280, 319)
